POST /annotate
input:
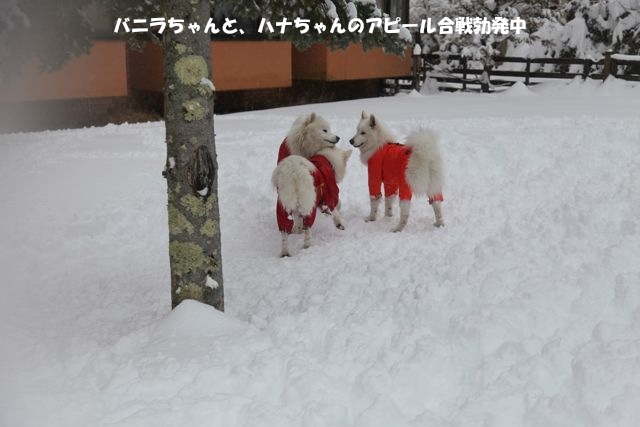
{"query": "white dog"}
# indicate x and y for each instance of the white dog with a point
(308, 135)
(304, 185)
(402, 169)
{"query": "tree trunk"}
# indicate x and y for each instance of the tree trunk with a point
(191, 166)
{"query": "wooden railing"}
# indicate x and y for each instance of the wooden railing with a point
(490, 76)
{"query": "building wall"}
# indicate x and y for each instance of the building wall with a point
(352, 63)
(241, 65)
(236, 65)
(112, 84)
(101, 73)
(310, 64)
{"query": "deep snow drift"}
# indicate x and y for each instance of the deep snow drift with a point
(523, 311)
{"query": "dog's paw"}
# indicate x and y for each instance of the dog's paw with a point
(369, 219)
(340, 226)
(438, 224)
(397, 229)
(285, 255)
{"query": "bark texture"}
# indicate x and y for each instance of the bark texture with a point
(191, 167)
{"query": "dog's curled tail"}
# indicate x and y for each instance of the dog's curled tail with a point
(425, 170)
(293, 180)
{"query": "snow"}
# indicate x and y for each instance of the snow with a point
(211, 283)
(517, 89)
(523, 310)
(206, 82)
(352, 11)
(405, 35)
(331, 10)
(622, 57)
(575, 35)
(11, 14)
(582, 29)
(366, 2)
(12, 20)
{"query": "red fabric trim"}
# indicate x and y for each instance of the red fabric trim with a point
(324, 179)
(436, 198)
(284, 151)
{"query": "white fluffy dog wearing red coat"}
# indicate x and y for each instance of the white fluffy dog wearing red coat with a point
(403, 170)
(303, 186)
(308, 135)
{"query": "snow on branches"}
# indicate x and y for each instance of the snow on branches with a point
(577, 28)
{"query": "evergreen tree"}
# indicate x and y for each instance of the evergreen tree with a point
(593, 27)
(479, 47)
(49, 32)
(576, 28)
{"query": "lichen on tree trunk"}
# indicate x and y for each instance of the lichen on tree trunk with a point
(191, 167)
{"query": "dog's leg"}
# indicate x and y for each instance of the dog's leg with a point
(437, 210)
(405, 207)
(337, 220)
(307, 238)
(388, 205)
(297, 223)
(285, 245)
(375, 202)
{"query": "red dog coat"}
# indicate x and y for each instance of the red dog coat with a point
(387, 167)
(284, 151)
(327, 192)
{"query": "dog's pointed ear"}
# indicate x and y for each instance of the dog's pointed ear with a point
(310, 118)
(347, 154)
(364, 115)
(372, 121)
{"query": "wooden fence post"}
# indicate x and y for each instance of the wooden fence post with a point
(417, 55)
(608, 65)
(586, 70)
(486, 79)
(463, 62)
(614, 67)
(527, 77)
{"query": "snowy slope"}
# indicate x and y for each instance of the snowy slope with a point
(523, 310)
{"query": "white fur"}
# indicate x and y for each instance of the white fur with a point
(388, 204)
(405, 208)
(375, 202)
(370, 135)
(293, 180)
(424, 170)
(310, 134)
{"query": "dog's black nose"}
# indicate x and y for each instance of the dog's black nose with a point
(337, 139)
(351, 141)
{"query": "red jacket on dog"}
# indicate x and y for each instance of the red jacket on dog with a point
(386, 167)
(324, 181)
(284, 151)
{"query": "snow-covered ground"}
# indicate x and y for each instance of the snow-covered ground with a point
(523, 311)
